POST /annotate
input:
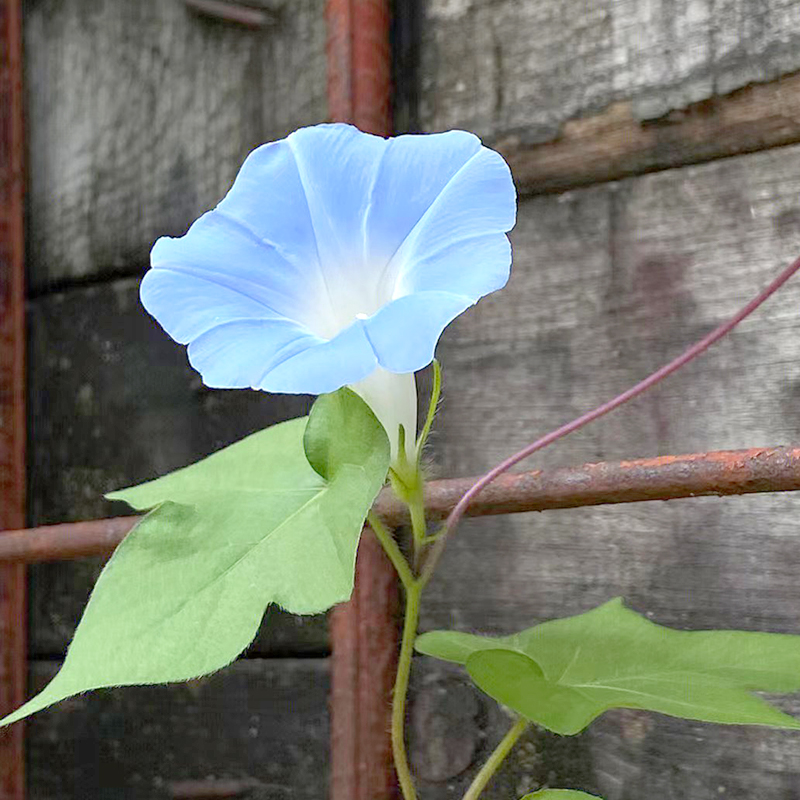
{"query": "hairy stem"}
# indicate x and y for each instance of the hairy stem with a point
(404, 777)
(496, 759)
(419, 527)
(416, 500)
(391, 548)
(436, 391)
(688, 355)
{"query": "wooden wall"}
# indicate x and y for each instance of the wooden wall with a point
(138, 117)
(610, 281)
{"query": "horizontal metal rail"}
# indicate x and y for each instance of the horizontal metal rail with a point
(726, 472)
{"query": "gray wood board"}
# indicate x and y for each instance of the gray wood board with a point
(608, 284)
(112, 401)
(505, 68)
(259, 725)
(139, 116)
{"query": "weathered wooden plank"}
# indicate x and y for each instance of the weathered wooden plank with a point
(141, 113)
(12, 389)
(114, 402)
(615, 144)
(501, 67)
(609, 283)
(258, 729)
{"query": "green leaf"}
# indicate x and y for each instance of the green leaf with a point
(565, 673)
(560, 794)
(253, 524)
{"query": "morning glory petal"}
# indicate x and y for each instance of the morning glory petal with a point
(474, 266)
(414, 169)
(188, 305)
(325, 366)
(337, 165)
(225, 251)
(422, 317)
(480, 199)
(238, 354)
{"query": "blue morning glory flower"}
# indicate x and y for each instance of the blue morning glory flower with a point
(337, 258)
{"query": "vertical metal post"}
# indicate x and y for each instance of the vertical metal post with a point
(12, 409)
(363, 631)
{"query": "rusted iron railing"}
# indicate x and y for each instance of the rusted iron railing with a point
(363, 631)
(12, 400)
(720, 473)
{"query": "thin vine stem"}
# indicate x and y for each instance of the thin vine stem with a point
(410, 623)
(419, 525)
(497, 757)
(415, 496)
(392, 549)
(436, 392)
(688, 355)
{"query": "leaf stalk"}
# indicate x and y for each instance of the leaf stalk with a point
(497, 757)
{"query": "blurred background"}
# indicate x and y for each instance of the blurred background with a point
(653, 143)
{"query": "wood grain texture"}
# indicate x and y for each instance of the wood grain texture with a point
(140, 115)
(114, 402)
(614, 144)
(12, 391)
(258, 730)
(608, 284)
(502, 67)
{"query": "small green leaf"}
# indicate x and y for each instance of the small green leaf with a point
(560, 794)
(251, 525)
(565, 673)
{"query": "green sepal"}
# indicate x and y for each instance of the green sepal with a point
(251, 525)
(564, 673)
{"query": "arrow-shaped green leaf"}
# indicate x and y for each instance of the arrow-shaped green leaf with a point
(251, 525)
(565, 673)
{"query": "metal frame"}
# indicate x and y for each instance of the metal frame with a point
(364, 630)
(718, 474)
(12, 401)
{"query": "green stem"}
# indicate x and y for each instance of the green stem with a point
(436, 391)
(391, 549)
(416, 508)
(496, 759)
(409, 484)
(410, 623)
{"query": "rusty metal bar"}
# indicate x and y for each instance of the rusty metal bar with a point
(721, 473)
(364, 630)
(12, 400)
(65, 542)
